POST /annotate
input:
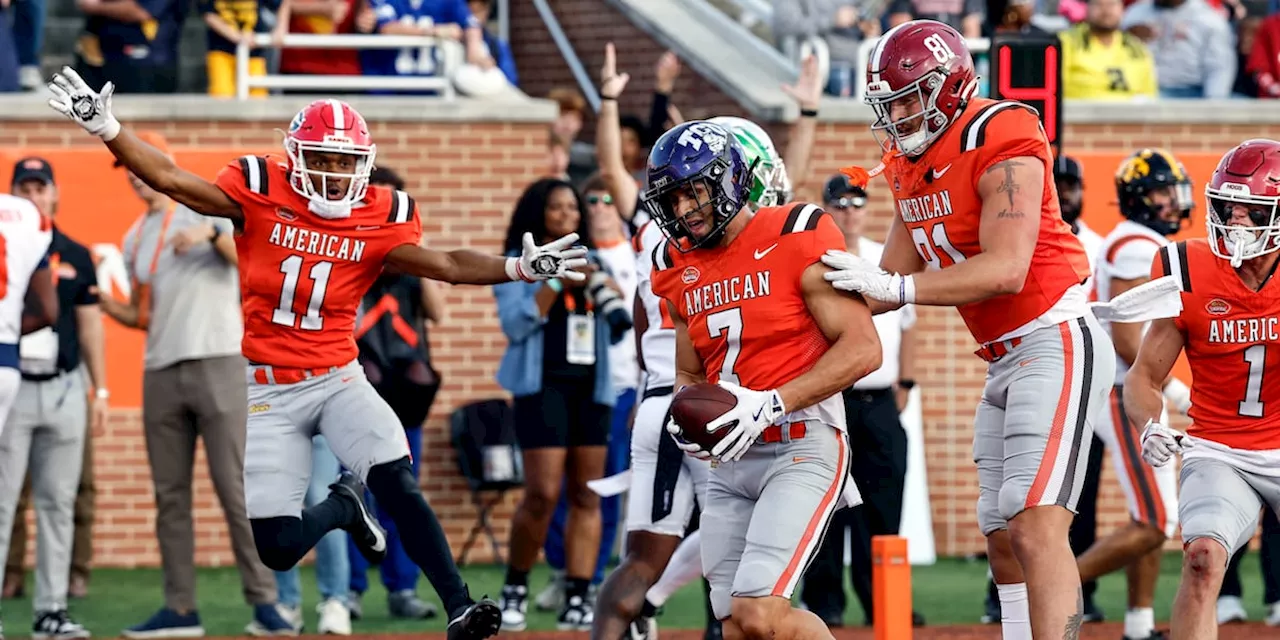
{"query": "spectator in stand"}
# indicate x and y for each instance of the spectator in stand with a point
(557, 156)
(1193, 47)
(1264, 58)
(965, 16)
(1015, 16)
(28, 33)
(495, 47)
(1246, 85)
(842, 24)
(573, 110)
(184, 295)
(8, 51)
(449, 21)
(323, 17)
(131, 43)
(1101, 62)
(231, 22)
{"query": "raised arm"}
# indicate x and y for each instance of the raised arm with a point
(609, 138)
(855, 350)
(92, 111)
(807, 92)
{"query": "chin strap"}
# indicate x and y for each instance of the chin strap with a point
(328, 209)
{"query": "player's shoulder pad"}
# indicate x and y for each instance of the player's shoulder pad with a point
(801, 217)
(402, 209)
(255, 170)
(662, 257)
(1001, 121)
(1174, 261)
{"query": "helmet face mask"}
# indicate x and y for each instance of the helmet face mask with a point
(331, 155)
(919, 79)
(699, 180)
(1247, 181)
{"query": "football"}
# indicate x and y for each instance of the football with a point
(696, 405)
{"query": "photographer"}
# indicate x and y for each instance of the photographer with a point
(557, 368)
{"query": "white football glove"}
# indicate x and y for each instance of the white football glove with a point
(1159, 443)
(755, 411)
(88, 108)
(556, 259)
(690, 448)
(853, 273)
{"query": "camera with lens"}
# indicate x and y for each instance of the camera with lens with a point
(610, 303)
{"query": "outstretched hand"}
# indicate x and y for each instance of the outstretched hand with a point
(611, 84)
(88, 108)
(556, 259)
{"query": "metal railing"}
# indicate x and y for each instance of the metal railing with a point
(439, 82)
(585, 83)
(976, 46)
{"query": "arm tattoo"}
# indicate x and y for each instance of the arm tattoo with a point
(1007, 186)
(1072, 632)
(1006, 214)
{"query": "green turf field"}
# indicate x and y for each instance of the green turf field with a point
(949, 592)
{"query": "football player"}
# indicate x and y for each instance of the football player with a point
(1154, 192)
(746, 297)
(312, 235)
(1228, 327)
(978, 228)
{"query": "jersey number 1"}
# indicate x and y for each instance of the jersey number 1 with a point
(291, 267)
(1256, 357)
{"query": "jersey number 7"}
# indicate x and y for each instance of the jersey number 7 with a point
(727, 323)
(291, 267)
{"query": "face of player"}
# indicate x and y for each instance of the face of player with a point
(40, 193)
(1239, 214)
(907, 113)
(694, 209)
(333, 188)
(562, 216)
(1070, 198)
(1105, 15)
(848, 217)
(1164, 204)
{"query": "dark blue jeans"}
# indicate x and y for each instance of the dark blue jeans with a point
(28, 30)
(618, 460)
(399, 573)
(8, 54)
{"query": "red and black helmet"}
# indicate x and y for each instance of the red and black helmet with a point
(1248, 179)
(926, 60)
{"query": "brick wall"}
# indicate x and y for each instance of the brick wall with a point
(466, 177)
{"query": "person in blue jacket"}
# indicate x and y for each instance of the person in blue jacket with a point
(557, 368)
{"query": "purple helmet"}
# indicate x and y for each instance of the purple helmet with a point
(689, 154)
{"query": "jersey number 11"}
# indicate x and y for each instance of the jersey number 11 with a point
(291, 267)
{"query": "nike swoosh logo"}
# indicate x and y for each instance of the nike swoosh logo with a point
(938, 174)
(759, 411)
(365, 227)
(761, 254)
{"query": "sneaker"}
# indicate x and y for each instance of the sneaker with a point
(576, 616)
(1231, 609)
(407, 604)
(991, 610)
(167, 623)
(551, 598)
(515, 604)
(1273, 614)
(355, 605)
(479, 621)
(1092, 613)
(269, 621)
(1155, 635)
(335, 617)
(368, 535)
(292, 614)
(56, 625)
(643, 628)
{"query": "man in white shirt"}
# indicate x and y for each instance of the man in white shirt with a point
(877, 441)
(28, 299)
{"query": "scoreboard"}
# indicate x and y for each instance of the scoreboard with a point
(1028, 68)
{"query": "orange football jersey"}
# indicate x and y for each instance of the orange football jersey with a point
(1232, 341)
(743, 303)
(937, 199)
(302, 276)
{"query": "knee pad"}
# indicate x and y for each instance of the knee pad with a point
(391, 480)
(278, 540)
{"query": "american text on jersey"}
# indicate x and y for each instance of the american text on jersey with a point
(1244, 330)
(926, 207)
(727, 291)
(317, 243)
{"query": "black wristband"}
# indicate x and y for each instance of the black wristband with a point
(907, 384)
(808, 113)
(604, 97)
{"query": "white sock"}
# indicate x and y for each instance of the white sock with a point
(1139, 623)
(685, 567)
(1015, 613)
